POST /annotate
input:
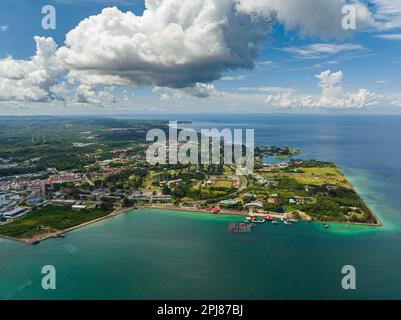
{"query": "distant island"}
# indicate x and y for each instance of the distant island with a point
(58, 174)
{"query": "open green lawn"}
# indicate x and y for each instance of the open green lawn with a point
(321, 176)
(314, 176)
(47, 220)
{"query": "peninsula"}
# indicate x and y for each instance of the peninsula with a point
(60, 174)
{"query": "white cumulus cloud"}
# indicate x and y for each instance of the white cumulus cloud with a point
(31, 80)
(181, 45)
(173, 44)
(332, 95)
(88, 95)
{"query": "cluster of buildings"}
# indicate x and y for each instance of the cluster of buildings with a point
(109, 167)
(22, 182)
(7, 164)
(280, 165)
(73, 204)
(81, 145)
(20, 191)
(265, 182)
(149, 197)
(171, 183)
(229, 202)
(9, 206)
(273, 199)
(301, 200)
(64, 177)
(8, 200)
(275, 166)
(13, 213)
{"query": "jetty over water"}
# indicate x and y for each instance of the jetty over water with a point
(235, 227)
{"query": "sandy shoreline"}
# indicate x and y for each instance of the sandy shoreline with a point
(379, 223)
(40, 238)
(246, 214)
(196, 210)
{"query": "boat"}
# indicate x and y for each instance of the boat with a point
(58, 235)
(258, 221)
(275, 222)
(287, 223)
(326, 226)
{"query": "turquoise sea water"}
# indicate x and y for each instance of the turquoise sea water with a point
(274, 160)
(153, 254)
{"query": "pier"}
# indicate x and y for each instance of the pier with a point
(235, 227)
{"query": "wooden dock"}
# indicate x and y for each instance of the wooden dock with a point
(235, 227)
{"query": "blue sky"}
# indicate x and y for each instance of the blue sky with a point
(24, 17)
(293, 70)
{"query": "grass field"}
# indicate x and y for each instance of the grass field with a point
(320, 176)
(314, 176)
(48, 220)
(224, 183)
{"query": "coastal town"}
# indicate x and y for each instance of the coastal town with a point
(39, 203)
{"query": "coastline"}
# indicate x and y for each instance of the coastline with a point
(246, 214)
(41, 238)
(379, 223)
(24, 241)
(116, 212)
(196, 210)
